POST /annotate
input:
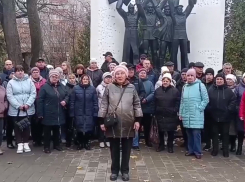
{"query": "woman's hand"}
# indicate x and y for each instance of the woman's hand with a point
(103, 128)
(63, 103)
(180, 118)
(136, 126)
(241, 118)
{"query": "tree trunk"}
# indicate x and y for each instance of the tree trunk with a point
(10, 32)
(35, 31)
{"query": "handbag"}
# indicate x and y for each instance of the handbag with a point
(111, 118)
(24, 123)
(154, 133)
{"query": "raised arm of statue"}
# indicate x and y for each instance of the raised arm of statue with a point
(140, 8)
(162, 4)
(120, 10)
(145, 3)
(171, 6)
(157, 9)
(189, 7)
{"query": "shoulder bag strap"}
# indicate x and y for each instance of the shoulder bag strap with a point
(120, 99)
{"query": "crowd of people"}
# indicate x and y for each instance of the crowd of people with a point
(61, 105)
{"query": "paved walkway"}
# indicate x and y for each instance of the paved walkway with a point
(94, 166)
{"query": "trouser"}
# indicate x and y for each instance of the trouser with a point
(21, 136)
(9, 129)
(146, 123)
(240, 136)
(1, 131)
(194, 141)
(63, 131)
(183, 44)
(184, 134)
(101, 134)
(83, 138)
(36, 130)
(170, 138)
(115, 154)
(136, 139)
(223, 127)
(47, 129)
(69, 130)
(207, 132)
(164, 45)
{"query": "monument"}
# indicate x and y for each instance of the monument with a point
(204, 30)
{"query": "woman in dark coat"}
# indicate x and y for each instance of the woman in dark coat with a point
(167, 100)
(51, 108)
(222, 105)
(94, 72)
(83, 108)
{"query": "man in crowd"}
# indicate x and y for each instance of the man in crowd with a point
(199, 70)
(108, 59)
(133, 79)
(140, 65)
(151, 73)
(7, 70)
(175, 75)
(227, 69)
(44, 71)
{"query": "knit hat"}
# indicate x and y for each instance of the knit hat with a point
(164, 69)
(123, 63)
(112, 64)
(142, 69)
(106, 74)
(184, 70)
(93, 60)
(53, 72)
(167, 75)
(191, 72)
(232, 77)
(209, 70)
(220, 75)
(35, 69)
(121, 68)
(60, 71)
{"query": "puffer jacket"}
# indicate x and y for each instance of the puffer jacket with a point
(21, 92)
(3, 101)
(239, 90)
(38, 83)
(128, 110)
(96, 76)
(100, 91)
(48, 104)
(194, 100)
(222, 103)
(167, 106)
(84, 107)
(148, 107)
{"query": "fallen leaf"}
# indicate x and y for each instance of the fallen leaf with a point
(133, 157)
(79, 167)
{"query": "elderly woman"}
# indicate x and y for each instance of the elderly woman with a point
(167, 99)
(21, 94)
(94, 72)
(121, 97)
(83, 108)
(107, 79)
(231, 83)
(191, 112)
(51, 109)
(164, 70)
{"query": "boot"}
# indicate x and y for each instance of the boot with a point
(239, 149)
(160, 148)
(20, 148)
(226, 153)
(170, 148)
(26, 147)
(233, 143)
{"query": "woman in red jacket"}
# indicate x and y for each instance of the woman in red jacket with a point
(242, 109)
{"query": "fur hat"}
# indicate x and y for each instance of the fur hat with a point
(121, 68)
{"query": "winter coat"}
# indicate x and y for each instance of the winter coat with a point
(239, 90)
(5, 74)
(3, 101)
(139, 66)
(48, 104)
(128, 110)
(222, 103)
(152, 76)
(242, 109)
(201, 77)
(194, 99)
(100, 91)
(69, 88)
(138, 86)
(207, 112)
(44, 73)
(233, 117)
(38, 83)
(105, 65)
(96, 76)
(179, 85)
(84, 107)
(176, 76)
(148, 107)
(21, 92)
(167, 102)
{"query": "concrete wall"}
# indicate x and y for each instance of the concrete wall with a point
(205, 28)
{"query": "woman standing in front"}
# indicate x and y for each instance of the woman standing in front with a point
(51, 109)
(194, 100)
(167, 99)
(121, 97)
(21, 94)
(83, 108)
